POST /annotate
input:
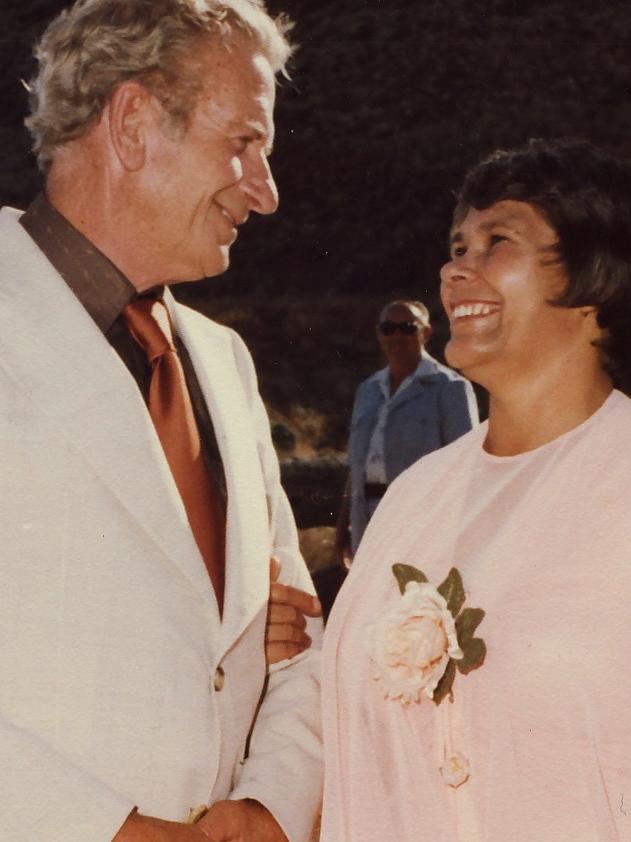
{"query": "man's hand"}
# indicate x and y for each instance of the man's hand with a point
(139, 828)
(285, 634)
(240, 821)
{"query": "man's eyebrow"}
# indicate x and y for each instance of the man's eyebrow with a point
(256, 130)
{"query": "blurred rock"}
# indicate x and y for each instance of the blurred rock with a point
(283, 437)
(314, 488)
(317, 546)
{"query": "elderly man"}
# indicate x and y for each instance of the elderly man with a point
(409, 408)
(140, 492)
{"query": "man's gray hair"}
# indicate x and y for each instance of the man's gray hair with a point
(417, 308)
(95, 45)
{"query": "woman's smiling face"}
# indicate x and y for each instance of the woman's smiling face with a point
(496, 288)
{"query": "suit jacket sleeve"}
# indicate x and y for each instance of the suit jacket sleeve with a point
(458, 409)
(284, 767)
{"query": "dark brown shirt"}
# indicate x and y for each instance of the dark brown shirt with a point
(104, 292)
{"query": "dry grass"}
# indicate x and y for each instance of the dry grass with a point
(317, 546)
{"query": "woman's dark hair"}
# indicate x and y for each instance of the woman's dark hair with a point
(585, 196)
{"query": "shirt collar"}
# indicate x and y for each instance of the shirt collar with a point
(426, 368)
(100, 287)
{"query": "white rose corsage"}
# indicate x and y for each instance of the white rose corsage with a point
(417, 645)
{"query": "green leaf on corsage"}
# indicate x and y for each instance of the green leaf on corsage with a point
(466, 624)
(405, 573)
(474, 653)
(443, 688)
(452, 591)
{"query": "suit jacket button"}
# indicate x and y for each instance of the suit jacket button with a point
(219, 679)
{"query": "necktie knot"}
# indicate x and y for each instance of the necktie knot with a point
(148, 321)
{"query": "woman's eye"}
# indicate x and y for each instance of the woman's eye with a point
(497, 238)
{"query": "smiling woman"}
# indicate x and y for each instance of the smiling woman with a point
(525, 519)
(583, 196)
(498, 290)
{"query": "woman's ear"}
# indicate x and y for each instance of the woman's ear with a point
(127, 113)
(590, 322)
(589, 314)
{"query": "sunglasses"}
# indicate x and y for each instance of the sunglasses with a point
(406, 328)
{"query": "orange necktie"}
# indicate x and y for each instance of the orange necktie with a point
(171, 409)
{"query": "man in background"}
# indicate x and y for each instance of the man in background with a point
(409, 408)
(140, 491)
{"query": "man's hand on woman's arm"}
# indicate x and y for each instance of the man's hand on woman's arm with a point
(285, 634)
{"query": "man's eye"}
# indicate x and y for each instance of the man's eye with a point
(458, 251)
(497, 238)
(241, 143)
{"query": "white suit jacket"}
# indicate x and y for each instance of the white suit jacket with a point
(110, 637)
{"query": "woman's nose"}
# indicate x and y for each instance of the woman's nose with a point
(456, 270)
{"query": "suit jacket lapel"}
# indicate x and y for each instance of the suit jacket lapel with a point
(248, 530)
(67, 367)
(426, 370)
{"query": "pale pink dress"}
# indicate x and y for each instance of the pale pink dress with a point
(543, 542)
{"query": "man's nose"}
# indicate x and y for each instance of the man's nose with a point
(259, 186)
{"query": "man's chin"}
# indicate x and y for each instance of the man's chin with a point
(217, 263)
(208, 267)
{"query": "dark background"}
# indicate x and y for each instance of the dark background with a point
(389, 103)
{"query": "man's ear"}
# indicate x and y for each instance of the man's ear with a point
(427, 332)
(128, 111)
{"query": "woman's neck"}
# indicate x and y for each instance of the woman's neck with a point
(522, 418)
